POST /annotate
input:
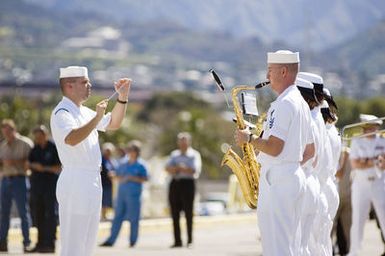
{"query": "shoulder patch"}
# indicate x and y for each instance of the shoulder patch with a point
(61, 109)
(271, 119)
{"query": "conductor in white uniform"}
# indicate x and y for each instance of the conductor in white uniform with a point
(287, 134)
(75, 132)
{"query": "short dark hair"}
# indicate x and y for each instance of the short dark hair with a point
(41, 128)
(135, 145)
(63, 81)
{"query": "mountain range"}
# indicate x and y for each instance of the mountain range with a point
(163, 39)
(325, 23)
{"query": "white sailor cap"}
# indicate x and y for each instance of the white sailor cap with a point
(299, 82)
(73, 71)
(282, 57)
(324, 104)
(327, 92)
(315, 79)
(370, 119)
(108, 146)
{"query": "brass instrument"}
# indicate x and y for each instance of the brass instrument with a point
(246, 169)
(354, 125)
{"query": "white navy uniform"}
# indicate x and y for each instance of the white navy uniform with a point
(323, 159)
(282, 181)
(311, 198)
(368, 186)
(330, 187)
(79, 189)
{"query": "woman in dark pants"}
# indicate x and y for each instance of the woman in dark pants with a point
(131, 176)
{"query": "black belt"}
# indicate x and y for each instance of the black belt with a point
(182, 179)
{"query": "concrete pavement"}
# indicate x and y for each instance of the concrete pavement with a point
(228, 235)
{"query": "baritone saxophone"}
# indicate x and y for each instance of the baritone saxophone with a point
(246, 169)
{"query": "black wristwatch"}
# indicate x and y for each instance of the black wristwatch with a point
(121, 101)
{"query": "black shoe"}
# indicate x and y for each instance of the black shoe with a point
(3, 246)
(176, 245)
(132, 245)
(106, 244)
(46, 249)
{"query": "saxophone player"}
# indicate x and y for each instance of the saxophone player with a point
(287, 138)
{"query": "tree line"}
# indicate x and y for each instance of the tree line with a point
(157, 121)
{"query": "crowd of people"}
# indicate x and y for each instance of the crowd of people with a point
(311, 184)
(71, 177)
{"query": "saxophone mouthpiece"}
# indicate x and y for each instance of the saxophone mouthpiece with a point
(262, 84)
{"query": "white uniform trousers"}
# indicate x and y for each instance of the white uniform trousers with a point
(264, 214)
(367, 187)
(308, 213)
(316, 243)
(79, 193)
(279, 205)
(329, 188)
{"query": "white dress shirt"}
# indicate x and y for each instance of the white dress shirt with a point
(288, 119)
(85, 155)
(336, 146)
(324, 151)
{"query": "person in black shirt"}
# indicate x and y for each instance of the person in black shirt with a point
(108, 165)
(45, 166)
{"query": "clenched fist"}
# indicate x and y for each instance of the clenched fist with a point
(101, 108)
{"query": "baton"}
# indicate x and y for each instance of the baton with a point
(220, 85)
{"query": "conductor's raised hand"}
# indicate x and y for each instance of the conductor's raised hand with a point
(123, 87)
(101, 108)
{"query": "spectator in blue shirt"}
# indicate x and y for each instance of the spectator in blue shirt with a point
(130, 176)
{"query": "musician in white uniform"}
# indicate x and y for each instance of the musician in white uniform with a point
(368, 181)
(311, 198)
(75, 132)
(330, 189)
(287, 134)
(324, 159)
